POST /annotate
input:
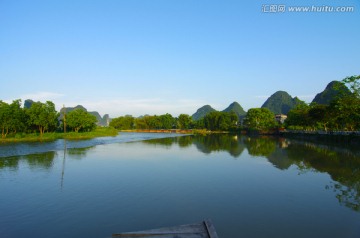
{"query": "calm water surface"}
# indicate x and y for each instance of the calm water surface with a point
(249, 187)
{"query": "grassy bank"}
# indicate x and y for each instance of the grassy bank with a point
(179, 131)
(98, 132)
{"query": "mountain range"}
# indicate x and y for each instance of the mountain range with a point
(281, 102)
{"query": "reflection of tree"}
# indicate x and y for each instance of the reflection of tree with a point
(10, 162)
(185, 141)
(347, 195)
(342, 165)
(43, 160)
(260, 146)
(206, 144)
(280, 159)
(182, 141)
(220, 142)
(166, 142)
(78, 153)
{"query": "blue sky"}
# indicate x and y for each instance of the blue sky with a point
(172, 56)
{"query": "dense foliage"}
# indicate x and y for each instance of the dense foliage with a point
(259, 119)
(342, 113)
(220, 121)
(43, 116)
(215, 121)
(80, 120)
(40, 117)
(12, 117)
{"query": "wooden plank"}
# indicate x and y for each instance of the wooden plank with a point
(210, 229)
(204, 229)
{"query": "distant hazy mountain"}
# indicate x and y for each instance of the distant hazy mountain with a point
(202, 111)
(235, 107)
(331, 91)
(281, 102)
(101, 121)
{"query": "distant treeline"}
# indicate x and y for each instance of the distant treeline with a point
(216, 121)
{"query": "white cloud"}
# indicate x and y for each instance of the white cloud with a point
(138, 107)
(262, 97)
(307, 98)
(42, 96)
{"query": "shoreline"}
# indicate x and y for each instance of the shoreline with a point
(51, 136)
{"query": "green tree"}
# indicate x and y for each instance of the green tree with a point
(43, 116)
(167, 121)
(222, 121)
(259, 119)
(19, 119)
(353, 83)
(5, 118)
(319, 115)
(141, 123)
(80, 120)
(184, 121)
(123, 123)
(298, 117)
(345, 109)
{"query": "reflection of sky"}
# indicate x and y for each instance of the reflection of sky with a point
(14, 149)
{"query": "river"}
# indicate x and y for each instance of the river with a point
(248, 186)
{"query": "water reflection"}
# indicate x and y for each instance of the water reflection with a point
(78, 153)
(34, 161)
(260, 146)
(340, 162)
(232, 144)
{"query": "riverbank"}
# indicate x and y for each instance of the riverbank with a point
(178, 131)
(22, 137)
(334, 137)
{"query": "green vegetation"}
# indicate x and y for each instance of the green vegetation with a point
(342, 113)
(80, 120)
(100, 121)
(184, 121)
(214, 121)
(40, 121)
(221, 121)
(281, 102)
(261, 119)
(28, 137)
(43, 116)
